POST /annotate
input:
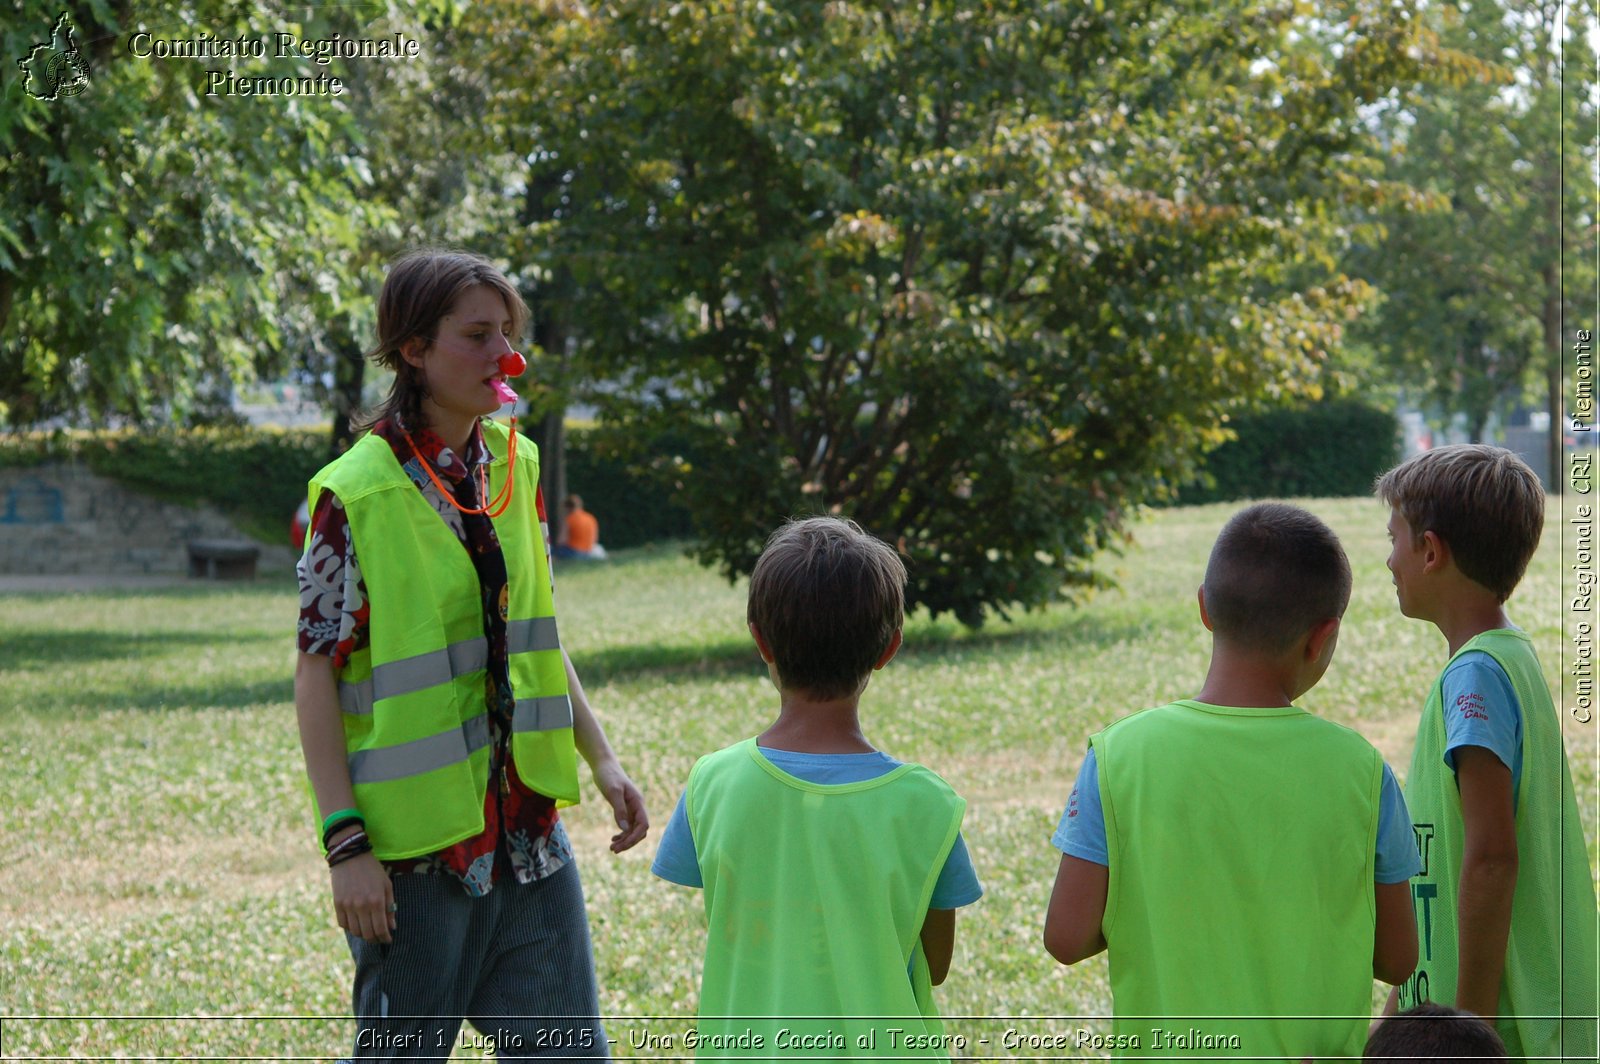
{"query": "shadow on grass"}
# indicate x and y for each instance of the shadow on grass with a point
(274, 583)
(715, 661)
(1078, 630)
(625, 559)
(20, 650)
(200, 695)
(214, 695)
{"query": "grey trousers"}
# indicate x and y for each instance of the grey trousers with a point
(515, 964)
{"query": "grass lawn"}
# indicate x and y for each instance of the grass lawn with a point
(157, 849)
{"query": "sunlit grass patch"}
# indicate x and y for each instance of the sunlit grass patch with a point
(157, 850)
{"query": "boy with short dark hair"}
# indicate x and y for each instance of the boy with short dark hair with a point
(1433, 1032)
(831, 871)
(1243, 862)
(1505, 898)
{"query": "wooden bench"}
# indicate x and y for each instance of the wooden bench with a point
(223, 559)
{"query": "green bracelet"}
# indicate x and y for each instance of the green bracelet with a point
(341, 814)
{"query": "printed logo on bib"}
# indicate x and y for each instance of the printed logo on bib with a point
(1471, 706)
(1414, 991)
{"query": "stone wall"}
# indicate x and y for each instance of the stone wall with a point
(61, 518)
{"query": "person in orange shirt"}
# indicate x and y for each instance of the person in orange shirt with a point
(580, 537)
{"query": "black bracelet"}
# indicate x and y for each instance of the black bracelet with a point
(355, 838)
(339, 825)
(344, 854)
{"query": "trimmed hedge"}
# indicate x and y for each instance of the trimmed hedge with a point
(258, 476)
(1327, 449)
(633, 508)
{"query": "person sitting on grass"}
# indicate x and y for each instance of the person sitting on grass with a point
(831, 871)
(580, 532)
(1235, 855)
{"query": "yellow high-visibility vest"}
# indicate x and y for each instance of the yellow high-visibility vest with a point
(815, 899)
(415, 719)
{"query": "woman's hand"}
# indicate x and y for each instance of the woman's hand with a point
(627, 803)
(363, 898)
(362, 895)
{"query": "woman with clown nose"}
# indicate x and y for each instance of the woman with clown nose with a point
(440, 718)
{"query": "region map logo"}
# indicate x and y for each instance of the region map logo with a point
(58, 68)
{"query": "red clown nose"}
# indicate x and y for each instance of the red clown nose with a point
(513, 364)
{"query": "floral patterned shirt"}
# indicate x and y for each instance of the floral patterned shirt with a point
(522, 833)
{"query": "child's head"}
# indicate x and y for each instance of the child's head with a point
(1483, 502)
(1434, 1032)
(828, 600)
(421, 288)
(1275, 573)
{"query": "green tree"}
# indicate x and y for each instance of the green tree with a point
(982, 276)
(431, 176)
(1473, 280)
(147, 229)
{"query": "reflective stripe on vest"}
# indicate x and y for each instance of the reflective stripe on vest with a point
(542, 714)
(395, 678)
(420, 755)
(447, 748)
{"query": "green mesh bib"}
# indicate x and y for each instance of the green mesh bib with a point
(1240, 913)
(1550, 959)
(815, 898)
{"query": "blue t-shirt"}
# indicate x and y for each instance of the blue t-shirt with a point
(1481, 709)
(1082, 831)
(677, 862)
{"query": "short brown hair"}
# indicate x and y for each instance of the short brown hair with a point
(1274, 573)
(422, 286)
(828, 599)
(1483, 501)
(1434, 1032)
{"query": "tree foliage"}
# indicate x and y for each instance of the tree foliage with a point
(1503, 160)
(152, 237)
(434, 174)
(981, 276)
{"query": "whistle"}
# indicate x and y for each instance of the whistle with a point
(512, 364)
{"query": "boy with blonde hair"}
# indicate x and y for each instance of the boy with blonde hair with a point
(1243, 862)
(831, 871)
(1505, 900)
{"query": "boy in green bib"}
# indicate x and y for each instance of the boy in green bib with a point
(1242, 862)
(831, 871)
(1505, 900)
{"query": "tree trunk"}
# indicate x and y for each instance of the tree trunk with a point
(1556, 399)
(553, 469)
(550, 333)
(1475, 426)
(1552, 186)
(349, 375)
